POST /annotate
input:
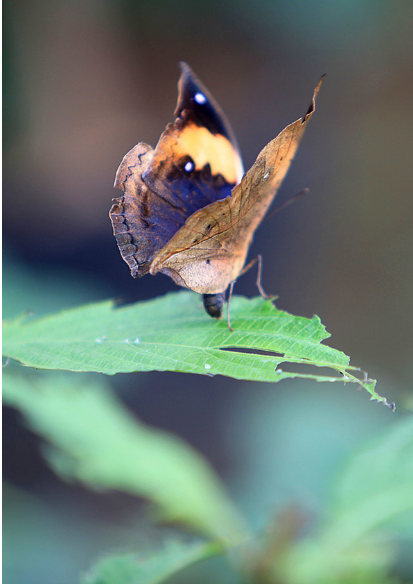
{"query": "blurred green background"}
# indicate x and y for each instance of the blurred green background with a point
(85, 81)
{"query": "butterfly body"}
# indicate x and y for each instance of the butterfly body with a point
(185, 211)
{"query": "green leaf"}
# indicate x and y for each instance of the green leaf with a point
(372, 492)
(173, 333)
(96, 441)
(152, 569)
(375, 486)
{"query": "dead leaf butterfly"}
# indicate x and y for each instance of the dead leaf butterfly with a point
(187, 210)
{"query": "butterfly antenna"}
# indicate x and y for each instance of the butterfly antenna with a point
(288, 203)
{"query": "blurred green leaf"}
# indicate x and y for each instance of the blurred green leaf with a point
(95, 440)
(374, 489)
(137, 569)
(173, 333)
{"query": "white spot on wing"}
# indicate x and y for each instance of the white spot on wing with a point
(200, 98)
(189, 166)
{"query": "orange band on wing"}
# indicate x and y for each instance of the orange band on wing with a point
(204, 147)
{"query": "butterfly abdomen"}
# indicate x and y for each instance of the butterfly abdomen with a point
(214, 304)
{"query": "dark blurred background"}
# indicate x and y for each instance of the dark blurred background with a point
(84, 82)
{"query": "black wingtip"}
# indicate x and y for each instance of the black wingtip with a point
(188, 85)
(184, 67)
(194, 97)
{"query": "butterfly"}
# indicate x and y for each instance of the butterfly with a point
(188, 211)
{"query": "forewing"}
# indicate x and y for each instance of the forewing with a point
(209, 251)
(196, 161)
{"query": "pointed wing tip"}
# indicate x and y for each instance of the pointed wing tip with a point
(317, 87)
(184, 67)
(186, 73)
(311, 108)
(187, 80)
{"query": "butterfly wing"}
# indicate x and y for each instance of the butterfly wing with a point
(196, 162)
(142, 222)
(210, 250)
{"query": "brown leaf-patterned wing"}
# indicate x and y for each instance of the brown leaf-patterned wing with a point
(195, 163)
(209, 251)
(142, 222)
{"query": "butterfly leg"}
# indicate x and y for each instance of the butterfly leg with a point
(259, 280)
(249, 266)
(230, 291)
(259, 276)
